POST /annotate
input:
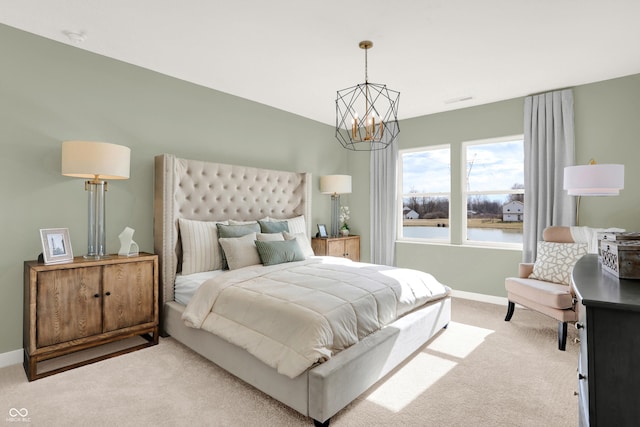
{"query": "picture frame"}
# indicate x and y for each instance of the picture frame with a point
(322, 230)
(56, 245)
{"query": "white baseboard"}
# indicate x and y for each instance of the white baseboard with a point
(10, 358)
(480, 297)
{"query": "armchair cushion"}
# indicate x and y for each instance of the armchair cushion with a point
(547, 294)
(555, 261)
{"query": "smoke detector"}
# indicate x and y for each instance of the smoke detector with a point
(75, 36)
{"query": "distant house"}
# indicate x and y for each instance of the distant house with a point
(411, 214)
(513, 211)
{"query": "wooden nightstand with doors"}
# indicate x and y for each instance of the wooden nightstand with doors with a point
(71, 310)
(343, 246)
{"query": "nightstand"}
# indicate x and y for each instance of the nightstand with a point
(71, 308)
(343, 246)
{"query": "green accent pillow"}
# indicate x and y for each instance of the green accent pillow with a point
(273, 226)
(235, 231)
(278, 252)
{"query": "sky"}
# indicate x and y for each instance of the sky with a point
(489, 166)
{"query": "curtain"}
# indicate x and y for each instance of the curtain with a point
(548, 148)
(383, 189)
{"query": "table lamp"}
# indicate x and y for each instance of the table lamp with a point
(96, 161)
(335, 185)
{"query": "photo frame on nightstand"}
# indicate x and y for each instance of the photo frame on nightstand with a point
(322, 230)
(56, 245)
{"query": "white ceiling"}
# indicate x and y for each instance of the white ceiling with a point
(294, 54)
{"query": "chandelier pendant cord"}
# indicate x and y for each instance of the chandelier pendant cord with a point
(367, 120)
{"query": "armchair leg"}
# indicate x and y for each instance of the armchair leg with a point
(562, 336)
(510, 309)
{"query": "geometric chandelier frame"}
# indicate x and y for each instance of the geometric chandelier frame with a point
(367, 114)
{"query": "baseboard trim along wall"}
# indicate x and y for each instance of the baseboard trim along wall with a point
(480, 297)
(10, 358)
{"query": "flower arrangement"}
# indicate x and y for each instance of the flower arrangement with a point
(344, 217)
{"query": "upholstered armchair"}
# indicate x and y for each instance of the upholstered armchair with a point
(545, 286)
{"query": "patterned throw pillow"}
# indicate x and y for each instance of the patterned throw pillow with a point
(278, 252)
(555, 261)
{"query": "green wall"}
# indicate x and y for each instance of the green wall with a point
(607, 129)
(51, 92)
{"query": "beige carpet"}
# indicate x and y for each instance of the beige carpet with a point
(482, 371)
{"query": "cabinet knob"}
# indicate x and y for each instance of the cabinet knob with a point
(579, 325)
(581, 377)
(96, 295)
(108, 293)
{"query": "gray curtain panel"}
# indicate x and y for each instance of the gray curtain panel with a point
(548, 148)
(383, 186)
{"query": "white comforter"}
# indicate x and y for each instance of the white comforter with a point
(293, 315)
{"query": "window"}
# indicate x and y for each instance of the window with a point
(426, 190)
(487, 192)
(494, 190)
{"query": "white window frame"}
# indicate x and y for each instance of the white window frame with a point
(465, 193)
(457, 223)
(400, 223)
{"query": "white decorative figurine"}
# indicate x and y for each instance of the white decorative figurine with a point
(127, 246)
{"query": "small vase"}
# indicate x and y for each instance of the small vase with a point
(344, 232)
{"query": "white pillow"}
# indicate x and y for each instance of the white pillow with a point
(303, 242)
(234, 222)
(555, 261)
(297, 225)
(200, 249)
(240, 251)
(269, 237)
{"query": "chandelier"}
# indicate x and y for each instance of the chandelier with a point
(367, 114)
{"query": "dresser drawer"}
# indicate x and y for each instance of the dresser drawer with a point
(583, 369)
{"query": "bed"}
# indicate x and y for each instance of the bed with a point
(194, 190)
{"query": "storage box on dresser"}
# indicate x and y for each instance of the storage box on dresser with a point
(76, 306)
(608, 372)
(343, 246)
(620, 254)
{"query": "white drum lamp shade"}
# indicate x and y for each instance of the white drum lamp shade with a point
(335, 185)
(97, 162)
(594, 180)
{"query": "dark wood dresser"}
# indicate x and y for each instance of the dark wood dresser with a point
(609, 362)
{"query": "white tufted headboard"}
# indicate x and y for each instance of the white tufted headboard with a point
(208, 191)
